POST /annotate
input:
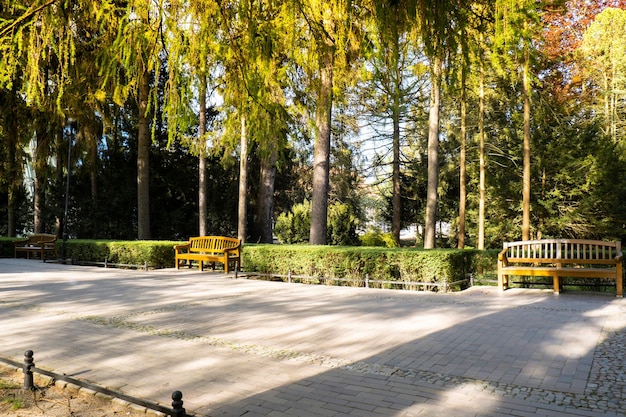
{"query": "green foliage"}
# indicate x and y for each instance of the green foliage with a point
(6, 247)
(393, 265)
(294, 227)
(86, 56)
(342, 224)
(377, 238)
(157, 254)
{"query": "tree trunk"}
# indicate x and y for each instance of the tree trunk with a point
(266, 196)
(61, 158)
(202, 174)
(396, 220)
(481, 151)
(93, 168)
(526, 179)
(143, 159)
(242, 213)
(13, 171)
(321, 163)
(462, 162)
(41, 174)
(433, 157)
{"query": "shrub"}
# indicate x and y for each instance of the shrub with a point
(377, 238)
(342, 224)
(294, 227)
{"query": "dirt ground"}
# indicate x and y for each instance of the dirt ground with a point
(52, 400)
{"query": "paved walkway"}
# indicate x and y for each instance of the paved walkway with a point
(254, 348)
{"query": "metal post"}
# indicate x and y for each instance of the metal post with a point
(177, 405)
(289, 276)
(29, 364)
(367, 280)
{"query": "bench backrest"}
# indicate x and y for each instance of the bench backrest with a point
(572, 251)
(37, 239)
(212, 243)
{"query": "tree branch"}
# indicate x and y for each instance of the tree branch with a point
(24, 17)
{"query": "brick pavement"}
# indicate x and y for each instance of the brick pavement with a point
(255, 348)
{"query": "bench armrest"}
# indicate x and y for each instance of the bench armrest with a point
(502, 255)
(21, 242)
(182, 248)
(619, 257)
(232, 249)
(44, 242)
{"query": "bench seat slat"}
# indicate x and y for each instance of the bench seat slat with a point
(562, 272)
(563, 261)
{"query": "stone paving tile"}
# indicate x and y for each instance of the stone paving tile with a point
(244, 347)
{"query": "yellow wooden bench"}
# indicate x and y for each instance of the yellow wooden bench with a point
(558, 258)
(211, 249)
(39, 243)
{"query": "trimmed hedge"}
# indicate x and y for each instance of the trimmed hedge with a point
(156, 254)
(388, 264)
(396, 265)
(6, 247)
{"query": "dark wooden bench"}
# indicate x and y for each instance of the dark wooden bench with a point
(559, 258)
(211, 249)
(39, 244)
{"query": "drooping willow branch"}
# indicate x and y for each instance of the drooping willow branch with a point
(25, 16)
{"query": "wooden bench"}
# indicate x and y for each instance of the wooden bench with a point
(212, 249)
(39, 243)
(558, 258)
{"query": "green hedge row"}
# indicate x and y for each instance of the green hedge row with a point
(156, 254)
(395, 265)
(385, 264)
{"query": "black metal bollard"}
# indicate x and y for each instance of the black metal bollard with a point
(177, 405)
(29, 364)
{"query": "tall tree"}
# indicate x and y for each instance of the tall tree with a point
(129, 65)
(436, 19)
(332, 28)
(192, 47)
(254, 92)
(39, 42)
(603, 59)
(516, 30)
(242, 206)
(481, 152)
(397, 74)
(473, 25)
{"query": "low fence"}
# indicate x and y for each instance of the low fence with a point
(355, 282)
(106, 264)
(29, 369)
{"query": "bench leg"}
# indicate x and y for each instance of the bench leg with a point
(618, 281)
(557, 285)
(503, 281)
